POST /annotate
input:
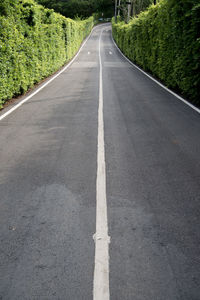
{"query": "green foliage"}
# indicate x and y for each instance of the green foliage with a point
(137, 6)
(165, 41)
(34, 42)
(81, 8)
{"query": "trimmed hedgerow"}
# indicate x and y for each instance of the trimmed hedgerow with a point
(34, 42)
(165, 40)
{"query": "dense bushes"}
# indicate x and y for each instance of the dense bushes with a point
(34, 42)
(165, 40)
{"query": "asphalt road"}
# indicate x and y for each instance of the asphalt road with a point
(48, 170)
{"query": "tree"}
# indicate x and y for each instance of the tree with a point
(80, 8)
(132, 9)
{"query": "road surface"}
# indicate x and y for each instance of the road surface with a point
(101, 160)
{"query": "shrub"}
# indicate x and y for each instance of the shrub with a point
(34, 43)
(165, 41)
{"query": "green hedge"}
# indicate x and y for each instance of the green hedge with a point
(34, 42)
(165, 40)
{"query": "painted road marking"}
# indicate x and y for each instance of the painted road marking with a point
(110, 52)
(101, 270)
(162, 85)
(45, 84)
(88, 53)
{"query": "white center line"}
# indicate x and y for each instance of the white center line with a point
(102, 240)
(88, 52)
(110, 52)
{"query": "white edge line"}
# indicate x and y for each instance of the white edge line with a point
(163, 86)
(50, 80)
